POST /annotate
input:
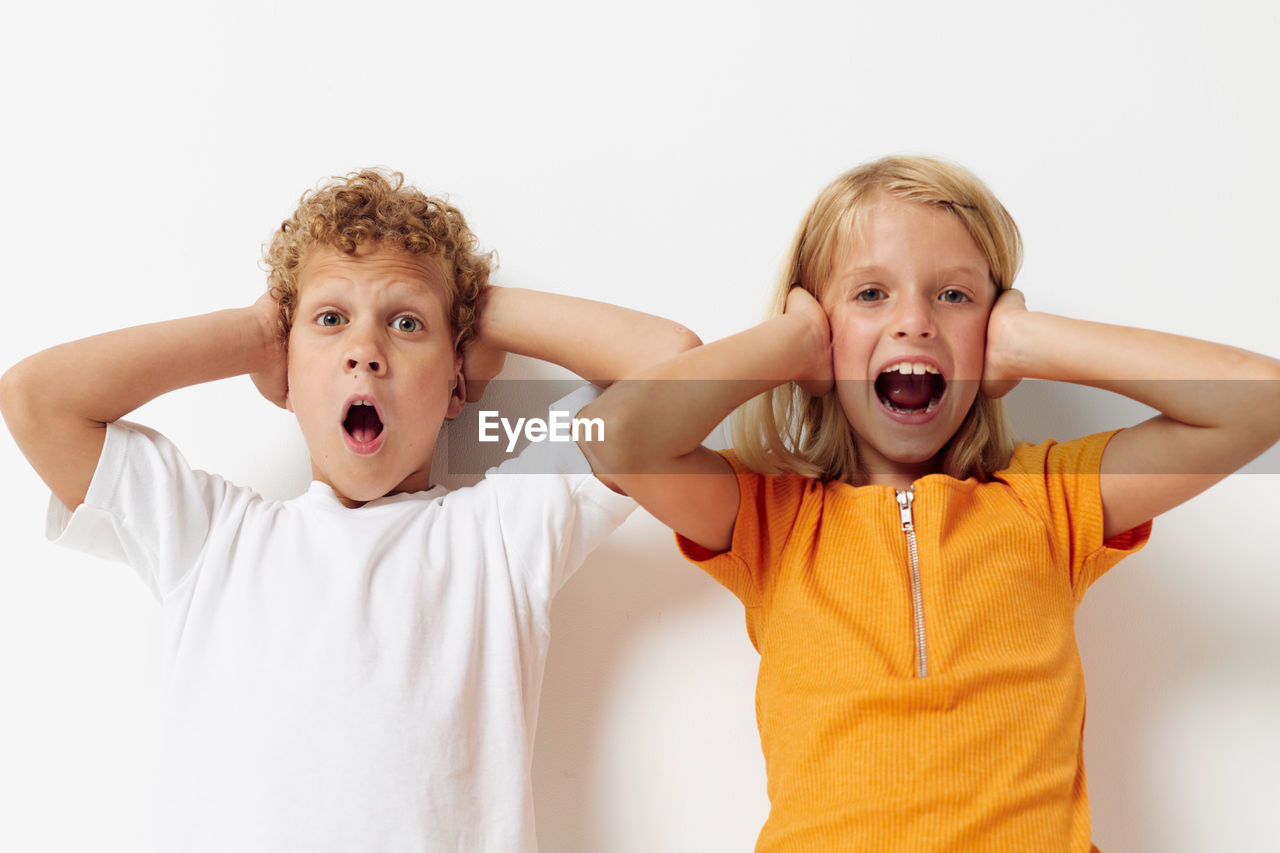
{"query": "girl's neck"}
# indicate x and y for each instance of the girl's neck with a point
(896, 481)
(878, 471)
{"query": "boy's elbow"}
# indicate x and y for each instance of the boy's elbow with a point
(681, 339)
(29, 398)
(653, 343)
(15, 395)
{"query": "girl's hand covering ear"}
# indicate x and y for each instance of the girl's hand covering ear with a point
(272, 380)
(999, 375)
(818, 377)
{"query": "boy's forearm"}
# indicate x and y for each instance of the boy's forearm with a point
(597, 341)
(57, 402)
(103, 378)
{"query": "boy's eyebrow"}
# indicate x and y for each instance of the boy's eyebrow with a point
(341, 282)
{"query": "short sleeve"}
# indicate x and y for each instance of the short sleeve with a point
(552, 510)
(768, 506)
(1059, 481)
(145, 507)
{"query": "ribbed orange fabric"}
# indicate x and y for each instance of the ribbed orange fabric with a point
(985, 753)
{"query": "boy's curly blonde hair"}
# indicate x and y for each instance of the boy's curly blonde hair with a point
(373, 205)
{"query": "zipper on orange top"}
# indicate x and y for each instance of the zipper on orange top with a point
(917, 603)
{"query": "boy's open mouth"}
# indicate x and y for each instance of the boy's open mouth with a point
(910, 387)
(362, 422)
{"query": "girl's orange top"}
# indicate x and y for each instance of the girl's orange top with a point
(944, 713)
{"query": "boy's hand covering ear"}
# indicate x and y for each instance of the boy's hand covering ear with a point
(480, 363)
(999, 377)
(481, 359)
(272, 381)
(820, 376)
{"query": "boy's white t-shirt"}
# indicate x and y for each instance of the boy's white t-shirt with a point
(346, 679)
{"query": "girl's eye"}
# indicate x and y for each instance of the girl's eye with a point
(954, 296)
(407, 324)
(870, 294)
(331, 318)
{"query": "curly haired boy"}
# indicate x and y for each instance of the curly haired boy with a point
(357, 668)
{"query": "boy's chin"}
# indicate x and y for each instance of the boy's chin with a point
(354, 493)
(417, 482)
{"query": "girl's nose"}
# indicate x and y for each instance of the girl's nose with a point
(914, 318)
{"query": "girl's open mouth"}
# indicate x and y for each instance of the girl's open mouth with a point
(362, 427)
(910, 387)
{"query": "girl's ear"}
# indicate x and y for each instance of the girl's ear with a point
(457, 391)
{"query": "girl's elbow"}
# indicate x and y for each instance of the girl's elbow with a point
(1268, 375)
(1271, 393)
(1262, 402)
(618, 448)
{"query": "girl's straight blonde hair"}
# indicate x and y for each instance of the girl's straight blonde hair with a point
(787, 430)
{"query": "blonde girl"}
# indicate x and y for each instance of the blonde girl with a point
(910, 577)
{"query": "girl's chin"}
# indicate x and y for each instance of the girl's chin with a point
(911, 453)
(899, 454)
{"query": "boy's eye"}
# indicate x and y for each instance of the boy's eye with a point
(407, 324)
(870, 294)
(954, 296)
(331, 318)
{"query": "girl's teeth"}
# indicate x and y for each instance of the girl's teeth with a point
(907, 368)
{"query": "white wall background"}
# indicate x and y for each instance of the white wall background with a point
(657, 155)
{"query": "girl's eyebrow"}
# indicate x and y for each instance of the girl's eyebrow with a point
(869, 271)
(879, 271)
(963, 269)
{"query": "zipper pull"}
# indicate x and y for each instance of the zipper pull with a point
(904, 506)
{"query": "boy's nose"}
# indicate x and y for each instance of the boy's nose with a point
(364, 354)
(374, 366)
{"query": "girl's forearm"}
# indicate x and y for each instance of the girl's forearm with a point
(667, 411)
(1192, 381)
